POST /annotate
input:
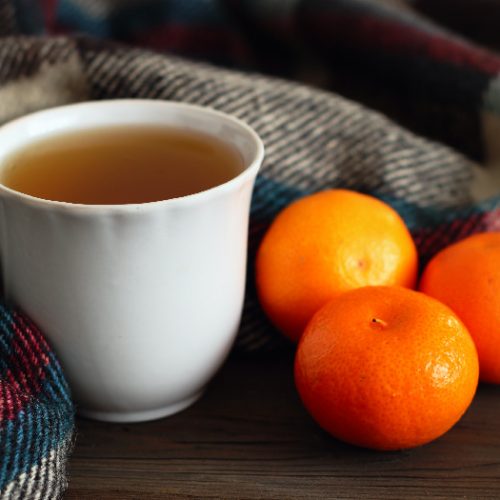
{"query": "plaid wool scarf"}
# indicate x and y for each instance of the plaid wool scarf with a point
(315, 139)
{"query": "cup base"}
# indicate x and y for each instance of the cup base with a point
(138, 416)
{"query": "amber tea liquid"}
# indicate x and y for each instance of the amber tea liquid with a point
(121, 165)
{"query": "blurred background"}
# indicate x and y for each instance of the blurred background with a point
(429, 64)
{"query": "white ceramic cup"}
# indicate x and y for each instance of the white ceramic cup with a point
(141, 302)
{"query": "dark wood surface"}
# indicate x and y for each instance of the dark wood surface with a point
(249, 437)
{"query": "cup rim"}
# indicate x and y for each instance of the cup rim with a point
(249, 170)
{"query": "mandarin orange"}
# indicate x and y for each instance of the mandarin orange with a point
(466, 277)
(325, 244)
(386, 368)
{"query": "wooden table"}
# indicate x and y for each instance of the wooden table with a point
(249, 437)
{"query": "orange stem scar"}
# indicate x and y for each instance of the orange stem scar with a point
(379, 323)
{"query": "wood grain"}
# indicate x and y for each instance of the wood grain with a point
(250, 438)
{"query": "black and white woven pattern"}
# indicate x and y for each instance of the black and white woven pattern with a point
(44, 481)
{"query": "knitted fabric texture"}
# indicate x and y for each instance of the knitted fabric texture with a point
(314, 140)
(36, 413)
(398, 56)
